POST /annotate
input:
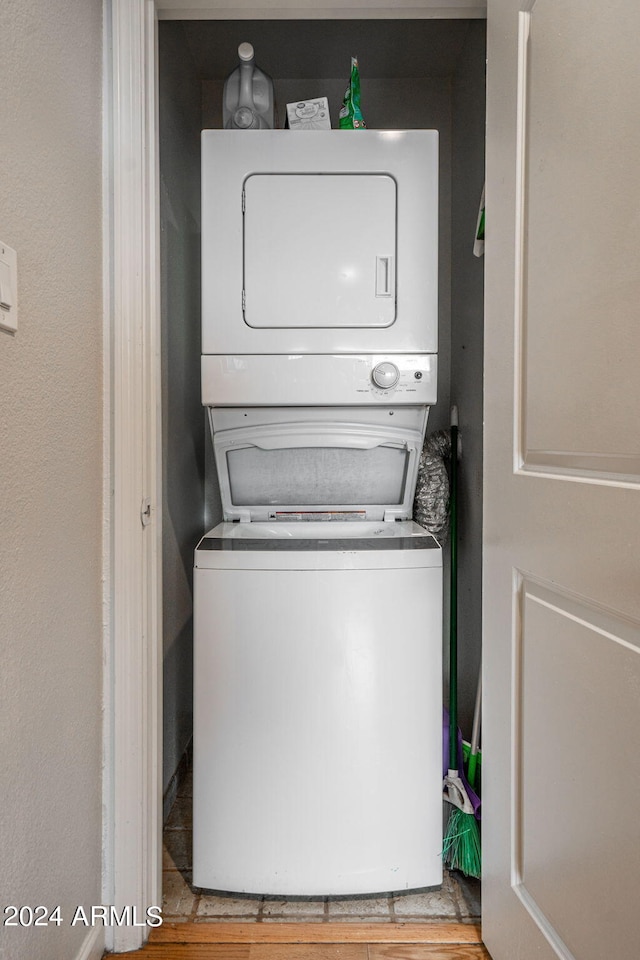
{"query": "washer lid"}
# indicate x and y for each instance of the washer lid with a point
(296, 467)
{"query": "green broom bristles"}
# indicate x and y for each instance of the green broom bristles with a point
(461, 848)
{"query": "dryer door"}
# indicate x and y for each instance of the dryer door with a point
(301, 470)
(319, 250)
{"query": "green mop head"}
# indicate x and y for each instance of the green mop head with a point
(461, 848)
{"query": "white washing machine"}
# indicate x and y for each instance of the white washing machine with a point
(318, 635)
(318, 602)
(317, 715)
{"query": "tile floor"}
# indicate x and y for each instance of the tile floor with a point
(457, 900)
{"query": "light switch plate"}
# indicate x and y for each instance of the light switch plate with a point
(8, 288)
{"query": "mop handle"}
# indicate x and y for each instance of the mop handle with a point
(453, 602)
(475, 736)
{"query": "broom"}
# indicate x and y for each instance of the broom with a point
(461, 846)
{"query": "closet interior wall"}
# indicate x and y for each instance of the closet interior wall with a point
(415, 74)
(467, 340)
(183, 436)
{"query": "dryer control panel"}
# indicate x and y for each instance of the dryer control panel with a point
(325, 380)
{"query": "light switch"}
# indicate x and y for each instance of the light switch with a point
(8, 288)
(6, 294)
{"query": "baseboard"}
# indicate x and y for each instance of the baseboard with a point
(92, 946)
(173, 786)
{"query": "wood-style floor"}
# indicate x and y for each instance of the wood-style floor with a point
(312, 941)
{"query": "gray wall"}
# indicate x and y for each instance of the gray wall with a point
(467, 275)
(51, 466)
(183, 450)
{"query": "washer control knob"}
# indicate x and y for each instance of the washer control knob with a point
(385, 375)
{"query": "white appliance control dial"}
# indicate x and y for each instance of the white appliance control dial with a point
(385, 375)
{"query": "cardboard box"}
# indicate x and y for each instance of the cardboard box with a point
(309, 114)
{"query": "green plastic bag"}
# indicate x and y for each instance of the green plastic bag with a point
(350, 115)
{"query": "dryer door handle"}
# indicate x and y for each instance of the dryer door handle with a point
(384, 284)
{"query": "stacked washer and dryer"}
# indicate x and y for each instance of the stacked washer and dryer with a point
(318, 601)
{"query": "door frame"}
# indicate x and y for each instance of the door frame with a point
(132, 791)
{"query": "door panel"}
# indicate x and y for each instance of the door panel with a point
(568, 753)
(562, 457)
(578, 240)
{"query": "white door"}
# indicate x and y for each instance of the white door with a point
(561, 837)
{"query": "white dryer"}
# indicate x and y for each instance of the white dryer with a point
(319, 242)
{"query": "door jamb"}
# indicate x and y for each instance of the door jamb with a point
(132, 871)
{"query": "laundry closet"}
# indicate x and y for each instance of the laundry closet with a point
(422, 75)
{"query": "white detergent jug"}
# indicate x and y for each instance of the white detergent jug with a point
(247, 100)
